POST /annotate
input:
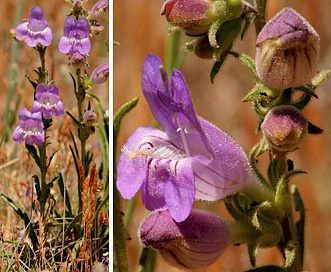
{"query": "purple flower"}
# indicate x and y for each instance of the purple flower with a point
(99, 10)
(35, 30)
(192, 244)
(76, 39)
(47, 101)
(31, 129)
(190, 159)
(100, 74)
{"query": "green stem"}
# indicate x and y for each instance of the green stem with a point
(82, 134)
(172, 50)
(43, 72)
(119, 234)
(260, 20)
(147, 260)
(43, 172)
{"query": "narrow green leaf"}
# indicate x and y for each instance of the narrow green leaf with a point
(23, 215)
(248, 62)
(217, 66)
(252, 253)
(320, 77)
(64, 193)
(300, 224)
(290, 251)
(34, 154)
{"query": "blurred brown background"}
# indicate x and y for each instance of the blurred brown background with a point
(140, 29)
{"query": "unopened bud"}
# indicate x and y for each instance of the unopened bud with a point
(284, 127)
(99, 10)
(287, 50)
(192, 244)
(195, 17)
(90, 118)
(100, 74)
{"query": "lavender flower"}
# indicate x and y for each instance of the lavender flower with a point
(100, 74)
(98, 10)
(287, 50)
(76, 39)
(192, 244)
(48, 101)
(35, 30)
(31, 129)
(192, 158)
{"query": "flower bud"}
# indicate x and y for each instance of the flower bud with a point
(284, 127)
(100, 74)
(89, 118)
(99, 10)
(287, 50)
(192, 244)
(196, 16)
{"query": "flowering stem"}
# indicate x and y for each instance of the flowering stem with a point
(119, 230)
(82, 134)
(260, 20)
(43, 171)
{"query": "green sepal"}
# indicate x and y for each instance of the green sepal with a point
(213, 31)
(252, 253)
(320, 77)
(257, 150)
(225, 36)
(290, 253)
(267, 268)
(307, 90)
(248, 62)
(312, 129)
(34, 154)
(216, 67)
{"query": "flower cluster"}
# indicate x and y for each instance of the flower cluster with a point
(47, 103)
(191, 159)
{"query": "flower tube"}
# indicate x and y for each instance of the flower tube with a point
(194, 243)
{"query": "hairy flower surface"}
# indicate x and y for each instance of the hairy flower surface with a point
(195, 17)
(287, 51)
(76, 38)
(284, 127)
(192, 244)
(99, 10)
(190, 159)
(48, 101)
(100, 74)
(31, 129)
(35, 30)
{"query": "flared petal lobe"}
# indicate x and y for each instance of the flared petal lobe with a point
(191, 158)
